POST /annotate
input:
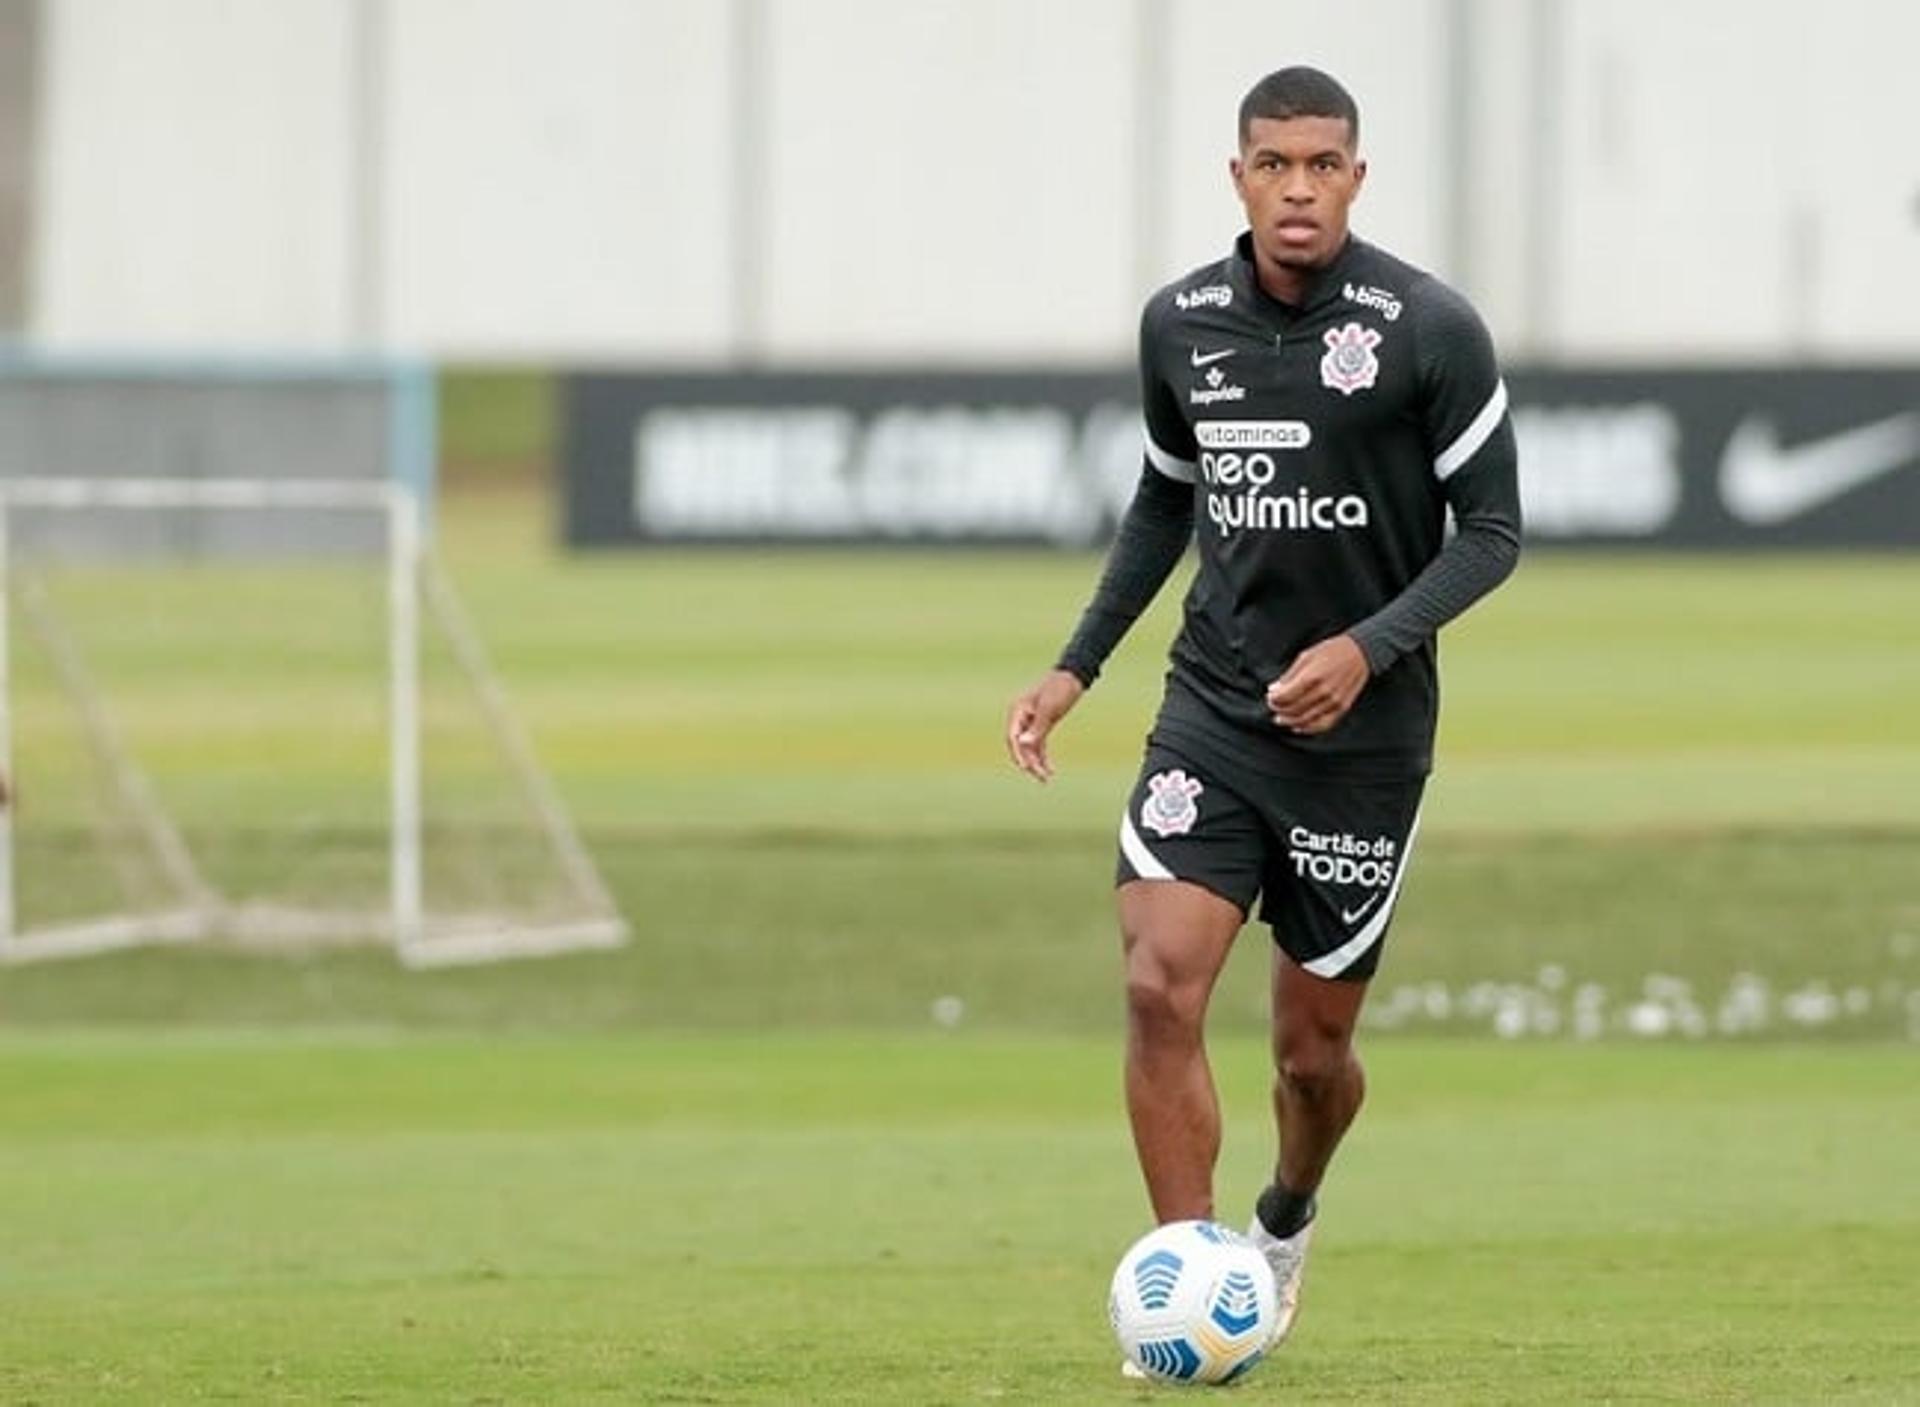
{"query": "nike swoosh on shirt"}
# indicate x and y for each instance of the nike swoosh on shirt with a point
(1352, 916)
(1762, 483)
(1211, 357)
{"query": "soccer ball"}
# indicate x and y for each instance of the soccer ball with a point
(1193, 1302)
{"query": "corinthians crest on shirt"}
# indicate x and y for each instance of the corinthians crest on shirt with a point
(1350, 364)
(1169, 808)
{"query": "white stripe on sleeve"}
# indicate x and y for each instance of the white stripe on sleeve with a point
(1475, 435)
(1172, 465)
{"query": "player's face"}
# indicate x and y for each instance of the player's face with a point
(1297, 178)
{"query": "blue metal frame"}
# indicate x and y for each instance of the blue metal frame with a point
(413, 413)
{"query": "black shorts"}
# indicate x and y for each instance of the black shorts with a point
(1326, 859)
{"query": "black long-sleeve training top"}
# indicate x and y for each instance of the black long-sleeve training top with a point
(1316, 451)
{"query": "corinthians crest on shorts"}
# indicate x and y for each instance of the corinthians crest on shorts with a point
(1169, 808)
(1350, 364)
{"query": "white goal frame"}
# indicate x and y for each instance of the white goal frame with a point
(414, 582)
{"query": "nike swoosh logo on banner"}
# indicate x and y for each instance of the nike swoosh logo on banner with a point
(1211, 357)
(1762, 484)
(1355, 915)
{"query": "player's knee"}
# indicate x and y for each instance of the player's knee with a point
(1158, 1002)
(1316, 1068)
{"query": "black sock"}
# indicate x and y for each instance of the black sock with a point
(1283, 1213)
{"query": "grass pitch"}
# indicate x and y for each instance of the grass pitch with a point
(1674, 793)
(1675, 835)
(924, 1219)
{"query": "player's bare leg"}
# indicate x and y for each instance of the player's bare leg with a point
(1176, 936)
(1319, 1083)
(1317, 1090)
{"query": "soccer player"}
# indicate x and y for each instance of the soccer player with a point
(1315, 408)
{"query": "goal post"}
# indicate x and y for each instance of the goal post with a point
(192, 916)
(529, 887)
(417, 594)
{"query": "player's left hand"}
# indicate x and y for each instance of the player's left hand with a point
(1319, 686)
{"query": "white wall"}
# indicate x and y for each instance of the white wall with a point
(191, 180)
(948, 180)
(1501, 223)
(1674, 239)
(556, 177)
(1855, 107)
(1747, 186)
(691, 182)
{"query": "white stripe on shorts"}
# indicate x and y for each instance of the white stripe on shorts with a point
(1145, 863)
(1348, 953)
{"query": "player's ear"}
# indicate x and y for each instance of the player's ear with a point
(1359, 174)
(1238, 171)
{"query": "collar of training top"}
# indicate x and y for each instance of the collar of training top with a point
(1322, 285)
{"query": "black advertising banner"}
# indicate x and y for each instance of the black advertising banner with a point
(1763, 457)
(832, 457)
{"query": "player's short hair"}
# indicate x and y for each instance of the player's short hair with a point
(1299, 92)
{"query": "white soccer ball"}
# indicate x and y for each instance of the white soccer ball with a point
(1193, 1302)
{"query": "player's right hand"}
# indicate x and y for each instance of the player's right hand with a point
(1032, 716)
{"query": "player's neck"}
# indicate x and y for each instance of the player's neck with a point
(1292, 283)
(1282, 282)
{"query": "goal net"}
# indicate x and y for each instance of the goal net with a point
(251, 710)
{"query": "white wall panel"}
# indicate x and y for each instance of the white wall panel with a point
(1857, 176)
(954, 180)
(1390, 54)
(192, 174)
(558, 177)
(1675, 238)
(1500, 220)
(949, 180)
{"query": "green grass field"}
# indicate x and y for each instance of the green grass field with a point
(1645, 1122)
(863, 1218)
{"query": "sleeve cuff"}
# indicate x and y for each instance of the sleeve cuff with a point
(1378, 654)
